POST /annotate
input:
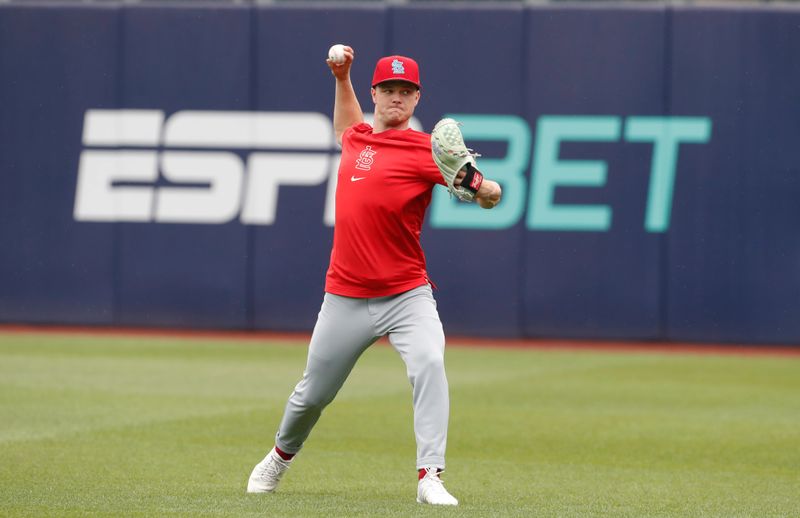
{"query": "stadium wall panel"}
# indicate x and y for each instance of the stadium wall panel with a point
(187, 275)
(608, 64)
(54, 63)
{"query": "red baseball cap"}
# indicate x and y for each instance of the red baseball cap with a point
(396, 68)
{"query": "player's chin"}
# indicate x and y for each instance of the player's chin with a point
(396, 117)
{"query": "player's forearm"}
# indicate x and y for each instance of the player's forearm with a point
(346, 109)
(489, 194)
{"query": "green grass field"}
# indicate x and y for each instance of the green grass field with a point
(142, 426)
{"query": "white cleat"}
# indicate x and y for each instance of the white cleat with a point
(431, 490)
(267, 473)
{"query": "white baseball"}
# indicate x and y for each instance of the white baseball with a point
(336, 53)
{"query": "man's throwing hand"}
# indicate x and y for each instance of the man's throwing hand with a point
(340, 61)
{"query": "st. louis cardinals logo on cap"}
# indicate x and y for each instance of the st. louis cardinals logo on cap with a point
(397, 67)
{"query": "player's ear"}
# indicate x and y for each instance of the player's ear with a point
(373, 92)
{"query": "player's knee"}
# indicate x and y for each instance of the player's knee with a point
(428, 361)
(310, 399)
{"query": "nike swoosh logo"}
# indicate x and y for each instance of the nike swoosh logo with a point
(356, 178)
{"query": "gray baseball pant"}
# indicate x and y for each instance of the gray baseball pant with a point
(345, 328)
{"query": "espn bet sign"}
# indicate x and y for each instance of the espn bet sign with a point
(213, 167)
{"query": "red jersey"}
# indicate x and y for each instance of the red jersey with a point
(384, 186)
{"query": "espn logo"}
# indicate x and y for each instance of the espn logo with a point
(138, 166)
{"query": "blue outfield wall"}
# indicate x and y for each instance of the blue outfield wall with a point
(171, 166)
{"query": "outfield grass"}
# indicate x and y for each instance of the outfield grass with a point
(139, 426)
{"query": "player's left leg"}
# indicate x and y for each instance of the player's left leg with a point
(415, 331)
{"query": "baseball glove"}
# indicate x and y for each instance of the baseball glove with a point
(451, 156)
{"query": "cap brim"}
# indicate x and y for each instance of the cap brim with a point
(397, 79)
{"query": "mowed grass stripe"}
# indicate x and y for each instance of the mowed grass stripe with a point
(104, 426)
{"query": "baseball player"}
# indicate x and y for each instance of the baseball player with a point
(377, 284)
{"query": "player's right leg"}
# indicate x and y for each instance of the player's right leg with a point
(343, 331)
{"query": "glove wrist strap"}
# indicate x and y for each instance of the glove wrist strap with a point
(472, 180)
